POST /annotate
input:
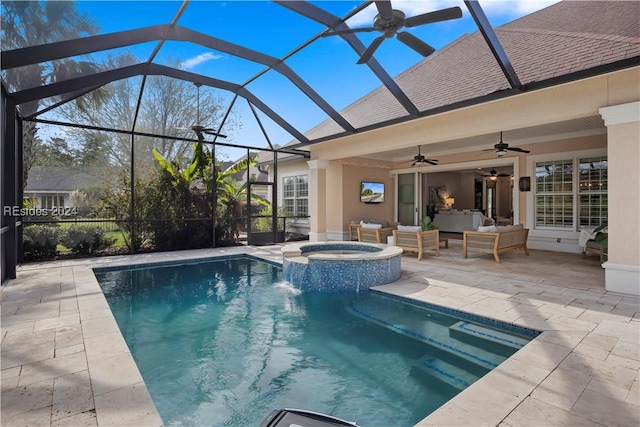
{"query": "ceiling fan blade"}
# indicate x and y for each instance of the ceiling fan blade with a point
(351, 31)
(432, 162)
(200, 135)
(385, 10)
(437, 16)
(415, 43)
(518, 149)
(369, 52)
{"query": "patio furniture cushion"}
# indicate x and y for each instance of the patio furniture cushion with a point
(410, 228)
(371, 225)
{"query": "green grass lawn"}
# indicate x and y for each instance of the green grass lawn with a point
(118, 236)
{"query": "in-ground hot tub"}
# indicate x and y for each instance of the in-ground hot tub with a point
(340, 266)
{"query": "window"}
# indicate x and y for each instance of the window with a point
(568, 200)
(48, 202)
(592, 189)
(295, 195)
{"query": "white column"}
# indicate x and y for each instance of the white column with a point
(622, 272)
(318, 200)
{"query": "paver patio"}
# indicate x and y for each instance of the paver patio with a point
(65, 363)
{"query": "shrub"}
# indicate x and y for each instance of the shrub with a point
(86, 239)
(427, 224)
(40, 241)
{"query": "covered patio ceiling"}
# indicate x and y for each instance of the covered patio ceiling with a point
(35, 101)
(522, 137)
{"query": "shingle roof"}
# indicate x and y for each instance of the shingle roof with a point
(562, 39)
(60, 178)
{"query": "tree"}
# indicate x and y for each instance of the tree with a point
(55, 152)
(168, 107)
(31, 23)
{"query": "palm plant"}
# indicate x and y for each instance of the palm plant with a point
(190, 182)
(31, 23)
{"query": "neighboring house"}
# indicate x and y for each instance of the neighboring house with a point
(255, 174)
(52, 187)
(579, 65)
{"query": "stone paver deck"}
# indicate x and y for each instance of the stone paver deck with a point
(65, 363)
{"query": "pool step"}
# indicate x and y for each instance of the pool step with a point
(487, 338)
(420, 327)
(452, 375)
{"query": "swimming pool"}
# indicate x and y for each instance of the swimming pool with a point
(224, 342)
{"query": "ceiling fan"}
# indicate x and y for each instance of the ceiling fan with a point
(494, 175)
(419, 159)
(501, 148)
(389, 21)
(198, 128)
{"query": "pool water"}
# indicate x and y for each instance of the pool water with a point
(222, 343)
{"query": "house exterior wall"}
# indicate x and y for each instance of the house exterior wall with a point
(575, 100)
(353, 174)
(623, 151)
(65, 197)
(292, 167)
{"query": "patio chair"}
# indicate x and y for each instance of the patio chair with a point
(417, 241)
(374, 233)
(596, 247)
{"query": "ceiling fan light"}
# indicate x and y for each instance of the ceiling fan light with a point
(493, 178)
(501, 153)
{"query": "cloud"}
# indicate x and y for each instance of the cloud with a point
(511, 8)
(190, 63)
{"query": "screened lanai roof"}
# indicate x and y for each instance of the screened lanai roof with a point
(271, 65)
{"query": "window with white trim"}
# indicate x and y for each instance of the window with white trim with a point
(567, 200)
(295, 195)
(592, 190)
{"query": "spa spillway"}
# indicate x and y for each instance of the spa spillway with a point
(340, 266)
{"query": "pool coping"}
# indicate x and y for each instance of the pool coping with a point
(121, 397)
(294, 251)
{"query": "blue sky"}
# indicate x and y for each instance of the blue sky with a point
(328, 65)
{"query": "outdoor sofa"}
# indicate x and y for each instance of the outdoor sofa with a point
(495, 240)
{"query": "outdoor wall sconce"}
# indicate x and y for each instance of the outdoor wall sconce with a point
(525, 183)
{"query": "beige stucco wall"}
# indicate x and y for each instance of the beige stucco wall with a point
(624, 204)
(623, 150)
(353, 175)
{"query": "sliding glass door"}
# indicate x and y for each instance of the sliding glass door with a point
(407, 192)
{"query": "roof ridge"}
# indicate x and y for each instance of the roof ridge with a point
(593, 36)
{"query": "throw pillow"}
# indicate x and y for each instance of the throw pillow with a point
(410, 228)
(488, 229)
(371, 226)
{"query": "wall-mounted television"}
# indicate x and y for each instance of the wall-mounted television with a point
(371, 192)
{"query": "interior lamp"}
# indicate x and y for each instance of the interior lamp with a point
(450, 201)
